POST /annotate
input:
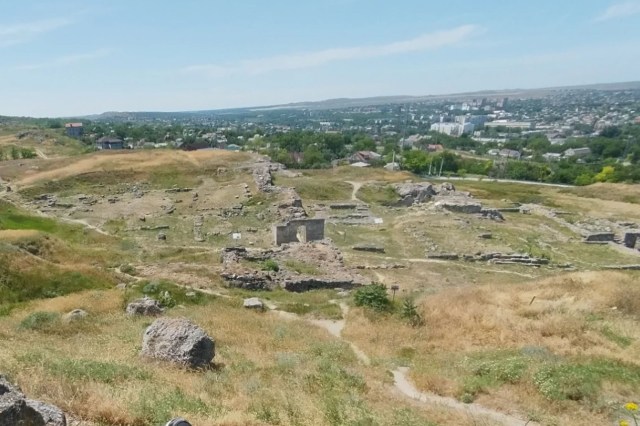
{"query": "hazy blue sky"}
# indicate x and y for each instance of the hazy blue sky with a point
(73, 57)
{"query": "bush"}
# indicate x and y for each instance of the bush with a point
(40, 321)
(410, 313)
(270, 265)
(373, 296)
(128, 269)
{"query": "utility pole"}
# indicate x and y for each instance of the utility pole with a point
(441, 164)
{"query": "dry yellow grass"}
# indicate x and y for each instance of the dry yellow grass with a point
(268, 370)
(566, 318)
(17, 234)
(125, 160)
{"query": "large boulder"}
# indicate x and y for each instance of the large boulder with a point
(179, 341)
(16, 410)
(145, 306)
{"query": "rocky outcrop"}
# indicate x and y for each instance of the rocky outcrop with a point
(17, 410)
(179, 341)
(145, 306)
(412, 193)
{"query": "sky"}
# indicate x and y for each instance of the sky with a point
(76, 57)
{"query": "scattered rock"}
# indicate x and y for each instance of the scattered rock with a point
(253, 303)
(162, 236)
(16, 410)
(179, 341)
(121, 286)
(486, 236)
(75, 315)
(145, 306)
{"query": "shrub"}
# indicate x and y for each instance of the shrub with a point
(40, 321)
(270, 265)
(373, 296)
(410, 313)
(128, 269)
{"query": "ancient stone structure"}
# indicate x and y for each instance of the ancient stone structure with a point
(179, 341)
(299, 230)
(631, 239)
(599, 237)
(15, 409)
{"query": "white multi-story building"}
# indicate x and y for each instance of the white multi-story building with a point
(452, 129)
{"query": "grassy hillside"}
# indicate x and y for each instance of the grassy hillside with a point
(538, 343)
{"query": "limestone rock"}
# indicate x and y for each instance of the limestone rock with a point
(179, 341)
(75, 315)
(144, 306)
(253, 303)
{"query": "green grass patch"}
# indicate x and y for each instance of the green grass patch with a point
(155, 406)
(618, 339)
(40, 321)
(302, 268)
(318, 189)
(167, 293)
(378, 194)
(46, 281)
(85, 369)
(514, 192)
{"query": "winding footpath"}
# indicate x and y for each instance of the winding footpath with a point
(402, 384)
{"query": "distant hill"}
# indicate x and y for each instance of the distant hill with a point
(370, 101)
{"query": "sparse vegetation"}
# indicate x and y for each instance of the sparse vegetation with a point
(550, 340)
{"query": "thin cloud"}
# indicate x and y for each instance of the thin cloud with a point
(424, 42)
(66, 60)
(21, 33)
(620, 10)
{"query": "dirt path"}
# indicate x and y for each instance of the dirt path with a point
(83, 223)
(401, 383)
(356, 188)
(41, 154)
